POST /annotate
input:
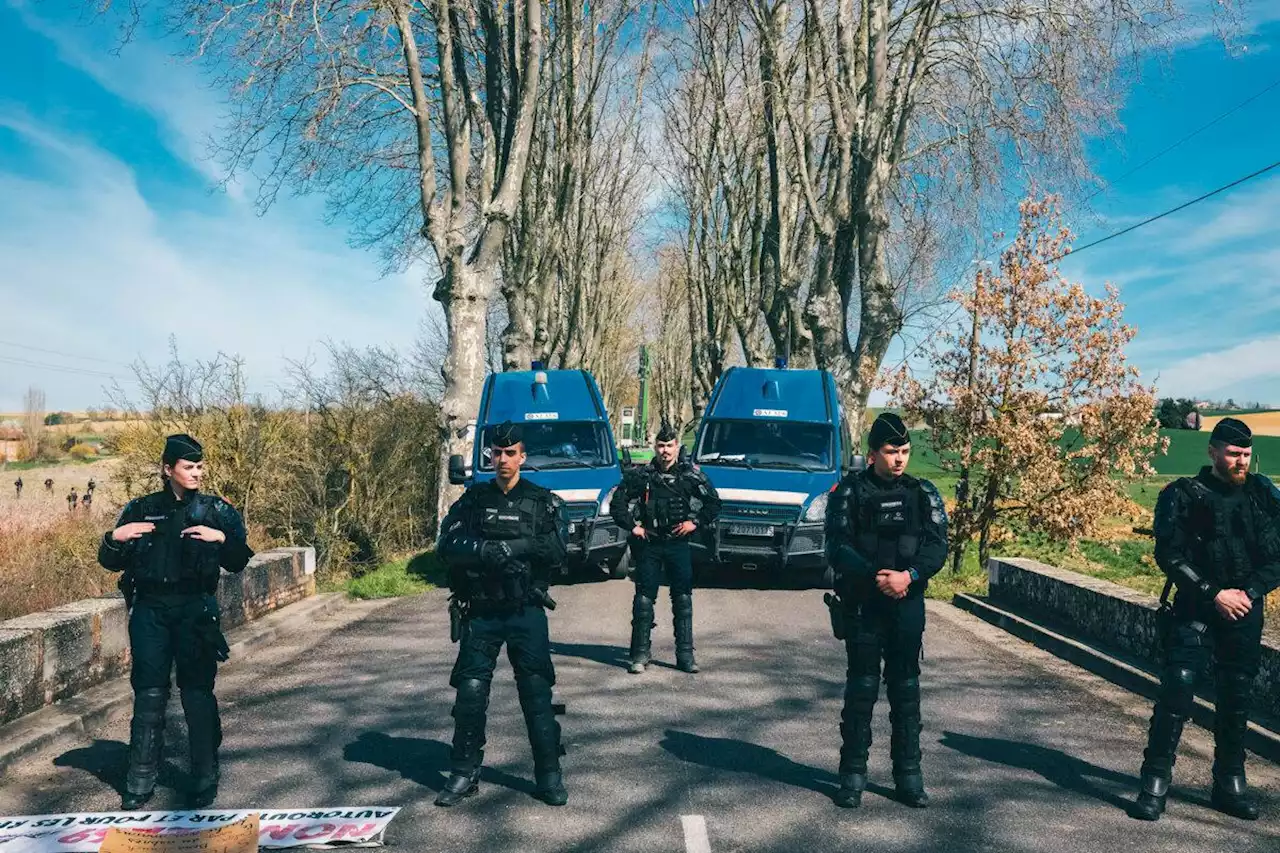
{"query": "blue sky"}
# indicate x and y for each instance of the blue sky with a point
(114, 234)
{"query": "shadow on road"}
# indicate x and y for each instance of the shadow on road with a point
(108, 762)
(423, 762)
(739, 756)
(615, 656)
(1065, 771)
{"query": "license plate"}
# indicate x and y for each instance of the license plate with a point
(751, 529)
(573, 527)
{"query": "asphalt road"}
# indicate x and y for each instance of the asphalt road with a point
(1022, 751)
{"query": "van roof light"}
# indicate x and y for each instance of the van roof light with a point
(538, 365)
(781, 362)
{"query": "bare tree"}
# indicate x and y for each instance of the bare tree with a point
(830, 157)
(671, 380)
(413, 117)
(32, 422)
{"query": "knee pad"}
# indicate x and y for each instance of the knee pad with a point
(150, 703)
(472, 698)
(642, 608)
(904, 689)
(1178, 690)
(534, 690)
(862, 691)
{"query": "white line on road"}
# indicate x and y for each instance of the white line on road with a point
(695, 833)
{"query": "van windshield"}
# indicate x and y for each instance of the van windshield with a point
(558, 444)
(767, 444)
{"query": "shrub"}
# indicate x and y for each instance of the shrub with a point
(81, 451)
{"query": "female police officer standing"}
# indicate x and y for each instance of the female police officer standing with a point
(170, 545)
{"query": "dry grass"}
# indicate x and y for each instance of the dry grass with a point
(1262, 423)
(48, 556)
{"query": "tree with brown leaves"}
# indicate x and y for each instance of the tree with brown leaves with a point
(1034, 406)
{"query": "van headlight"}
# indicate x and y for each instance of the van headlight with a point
(608, 498)
(817, 510)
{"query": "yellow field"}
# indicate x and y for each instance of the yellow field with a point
(1262, 423)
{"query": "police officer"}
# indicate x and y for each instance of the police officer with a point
(663, 504)
(169, 546)
(886, 536)
(17, 484)
(501, 542)
(1217, 540)
(72, 499)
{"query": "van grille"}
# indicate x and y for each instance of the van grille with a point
(758, 513)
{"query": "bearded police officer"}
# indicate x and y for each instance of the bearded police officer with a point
(501, 541)
(663, 504)
(886, 536)
(169, 546)
(1217, 540)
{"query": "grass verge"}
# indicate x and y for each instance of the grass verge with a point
(408, 575)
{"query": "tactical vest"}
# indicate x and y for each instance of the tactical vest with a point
(1229, 539)
(507, 585)
(166, 557)
(888, 525)
(663, 504)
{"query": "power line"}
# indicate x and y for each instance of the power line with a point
(63, 354)
(1072, 252)
(1274, 84)
(81, 371)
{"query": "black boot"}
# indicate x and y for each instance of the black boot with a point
(550, 789)
(641, 633)
(904, 748)
(459, 787)
(682, 611)
(851, 787)
(544, 737)
(1167, 721)
(1151, 798)
(467, 755)
(146, 743)
(1231, 796)
(1230, 724)
(860, 693)
(204, 736)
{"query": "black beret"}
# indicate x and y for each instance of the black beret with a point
(1232, 431)
(667, 432)
(888, 429)
(181, 446)
(506, 434)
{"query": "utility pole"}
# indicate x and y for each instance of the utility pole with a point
(642, 415)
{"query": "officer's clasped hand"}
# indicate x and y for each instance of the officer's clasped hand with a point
(638, 531)
(1233, 604)
(132, 530)
(495, 552)
(684, 528)
(893, 584)
(204, 534)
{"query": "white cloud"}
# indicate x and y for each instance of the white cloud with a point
(91, 267)
(1250, 370)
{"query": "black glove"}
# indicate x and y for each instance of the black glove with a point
(496, 552)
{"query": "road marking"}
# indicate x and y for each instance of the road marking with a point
(695, 833)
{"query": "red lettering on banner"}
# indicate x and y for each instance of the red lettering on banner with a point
(280, 833)
(353, 830)
(313, 832)
(95, 835)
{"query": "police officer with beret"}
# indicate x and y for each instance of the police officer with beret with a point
(170, 546)
(501, 542)
(1217, 539)
(886, 536)
(663, 504)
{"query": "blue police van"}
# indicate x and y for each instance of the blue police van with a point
(569, 449)
(770, 442)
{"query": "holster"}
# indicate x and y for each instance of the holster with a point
(457, 612)
(836, 608)
(126, 587)
(209, 630)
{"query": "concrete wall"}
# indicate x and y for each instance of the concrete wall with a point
(55, 654)
(1115, 618)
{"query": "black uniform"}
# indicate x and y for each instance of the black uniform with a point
(873, 524)
(659, 500)
(170, 582)
(501, 549)
(1211, 535)
(17, 484)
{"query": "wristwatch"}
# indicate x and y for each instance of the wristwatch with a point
(915, 575)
